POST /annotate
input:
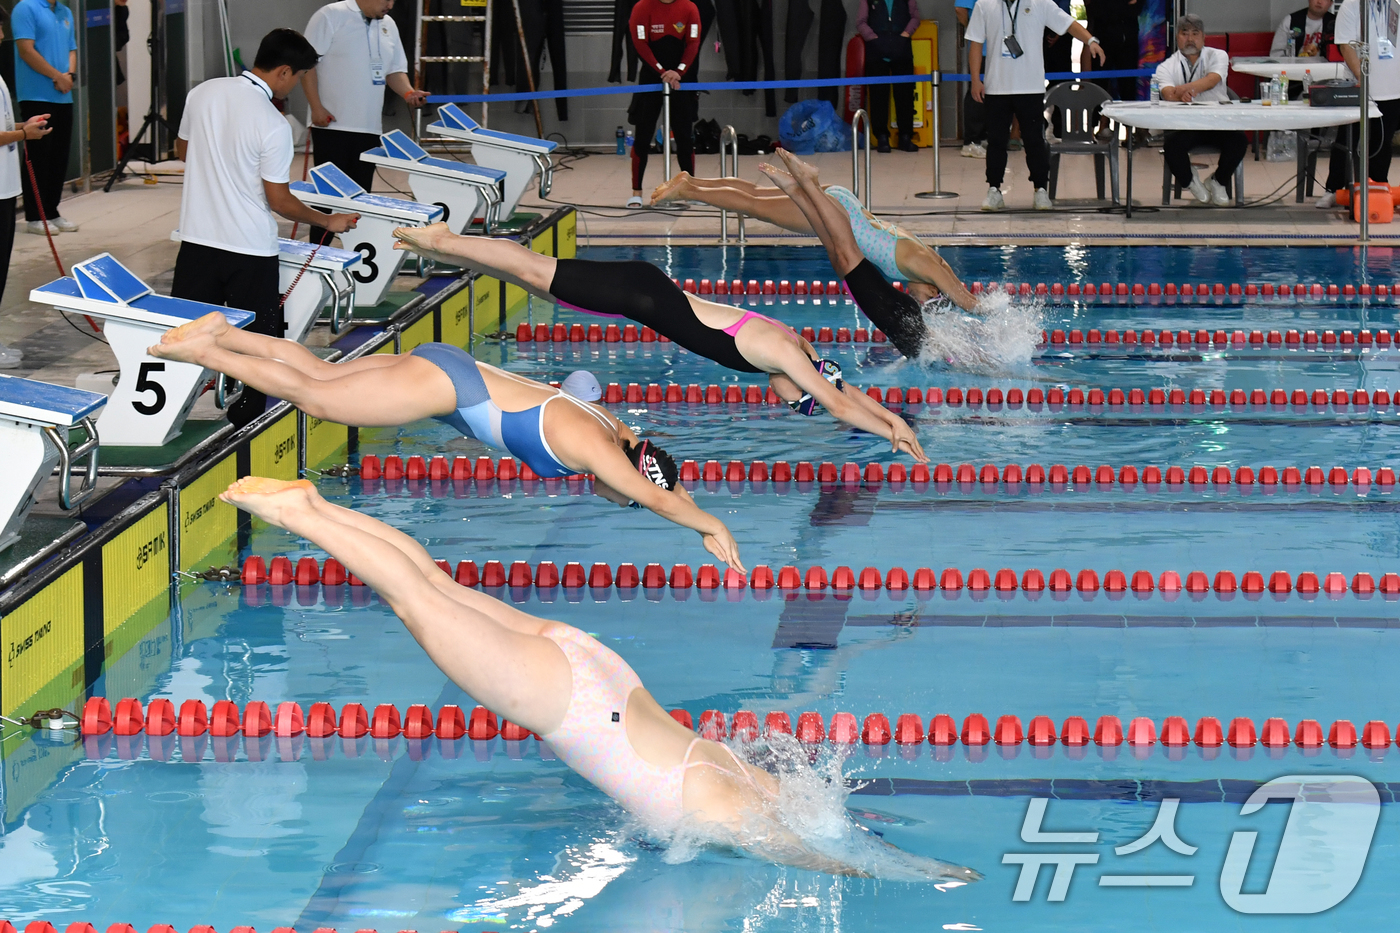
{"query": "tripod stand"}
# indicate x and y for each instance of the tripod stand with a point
(155, 122)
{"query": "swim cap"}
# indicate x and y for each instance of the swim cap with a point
(831, 372)
(654, 463)
(583, 385)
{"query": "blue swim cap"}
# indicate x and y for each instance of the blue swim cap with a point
(583, 385)
(831, 372)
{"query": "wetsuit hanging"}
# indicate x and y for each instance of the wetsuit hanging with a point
(666, 36)
(731, 37)
(622, 14)
(831, 36)
(544, 23)
(799, 23)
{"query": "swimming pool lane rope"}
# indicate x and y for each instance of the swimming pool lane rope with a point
(286, 720)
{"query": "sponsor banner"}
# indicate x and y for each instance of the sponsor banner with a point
(43, 643)
(135, 567)
(273, 453)
(324, 440)
(207, 524)
(417, 333)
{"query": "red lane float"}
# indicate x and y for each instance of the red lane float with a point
(546, 577)
(845, 728)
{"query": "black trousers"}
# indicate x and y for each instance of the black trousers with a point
(1179, 143)
(544, 24)
(831, 34)
(1029, 109)
(974, 119)
(1342, 166)
(237, 280)
(7, 239)
(799, 23)
(900, 63)
(1057, 59)
(342, 149)
(644, 113)
(622, 43)
(48, 155)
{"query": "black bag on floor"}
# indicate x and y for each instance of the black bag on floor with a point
(707, 137)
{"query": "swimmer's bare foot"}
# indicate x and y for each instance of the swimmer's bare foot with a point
(272, 500)
(429, 239)
(782, 179)
(188, 342)
(798, 168)
(673, 190)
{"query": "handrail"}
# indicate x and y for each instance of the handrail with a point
(856, 119)
(222, 397)
(665, 132)
(728, 137)
(66, 455)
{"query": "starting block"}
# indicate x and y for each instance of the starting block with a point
(328, 279)
(152, 397)
(373, 237)
(35, 418)
(520, 157)
(463, 191)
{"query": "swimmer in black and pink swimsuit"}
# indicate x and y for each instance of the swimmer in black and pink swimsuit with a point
(743, 341)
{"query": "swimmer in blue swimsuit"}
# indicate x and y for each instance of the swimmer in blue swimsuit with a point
(552, 432)
(894, 251)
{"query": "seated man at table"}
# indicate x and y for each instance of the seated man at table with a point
(1198, 73)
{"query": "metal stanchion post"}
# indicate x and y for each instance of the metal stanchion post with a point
(857, 119)
(1363, 136)
(937, 192)
(665, 130)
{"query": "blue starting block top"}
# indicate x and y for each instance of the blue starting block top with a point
(452, 117)
(45, 403)
(329, 184)
(398, 146)
(103, 287)
(298, 252)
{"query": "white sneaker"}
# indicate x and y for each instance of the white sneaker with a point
(993, 201)
(634, 201)
(1327, 201)
(64, 224)
(1218, 195)
(1042, 200)
(10, 357)
(1198, 188)
(974, 151)
(36, 227)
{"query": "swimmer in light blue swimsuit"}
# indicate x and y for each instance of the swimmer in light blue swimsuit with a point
(499, 408)
(894, 251)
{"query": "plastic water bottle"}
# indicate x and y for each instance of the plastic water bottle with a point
(631, 139)
(621, 141)
(1155, 94)
(1307, 84)
(1283, 89)
(1292, 47)
(1272, 94)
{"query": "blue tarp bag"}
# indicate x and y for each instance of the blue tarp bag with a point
(812, 126)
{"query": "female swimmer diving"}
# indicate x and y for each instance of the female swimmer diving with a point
(741, 340)
(575, 693)
(553, 432)
(895, 251)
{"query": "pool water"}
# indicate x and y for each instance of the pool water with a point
(435, 835)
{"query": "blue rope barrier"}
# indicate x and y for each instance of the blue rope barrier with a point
(759, 86)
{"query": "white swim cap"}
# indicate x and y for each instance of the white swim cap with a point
(583, 385)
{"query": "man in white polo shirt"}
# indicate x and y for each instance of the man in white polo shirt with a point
(360, 56)
(1014, 32)
(237, 149)
(1197, 72)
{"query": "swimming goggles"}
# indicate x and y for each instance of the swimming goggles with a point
(831, 372)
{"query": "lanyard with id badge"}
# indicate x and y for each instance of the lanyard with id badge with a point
(376, 58)
(1385, 47)
(1012, 47)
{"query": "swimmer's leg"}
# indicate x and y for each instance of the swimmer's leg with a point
(919, 263)
(523, 677)
(366, 392)
(187, 341)
(827, 218)
(766, 204)
(501, 258)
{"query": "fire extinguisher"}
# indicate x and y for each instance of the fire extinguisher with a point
(855, 68)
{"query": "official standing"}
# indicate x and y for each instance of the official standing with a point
(11, 135)
(666, 35)
(886, 26)
(46, 68)
(237, 149)
(1014, 31)
(1384, 67)
(360, 56)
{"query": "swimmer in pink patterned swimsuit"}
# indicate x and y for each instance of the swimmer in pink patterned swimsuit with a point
(561, 684)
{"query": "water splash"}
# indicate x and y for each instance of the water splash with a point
(810, 806)
(999, 337)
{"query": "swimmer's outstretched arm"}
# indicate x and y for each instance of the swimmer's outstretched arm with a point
(921, 264)
(504, 259)
(517, 674)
